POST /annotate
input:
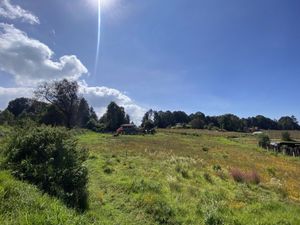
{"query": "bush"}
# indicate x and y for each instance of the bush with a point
(237, 175)
(286, 136)
(49, 158)
(205, 149)
(159, 209)
(245, 177)
(263, 141)
(208, 178)
(95, 126)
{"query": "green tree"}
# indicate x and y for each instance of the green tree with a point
(18, 105)
(230, 122)
(148, 119)
(63, 95)
(114, 117)
(53, 117)
(83, 113)
(288, 123)
(198, 120)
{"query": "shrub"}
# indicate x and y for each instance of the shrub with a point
(205, 149)
(217, 168)
(271, 171)
(237, 175)
(245, 177)
(263, 141)
(159, 209)
(286, 136)
(252, 177)
(108, 170)
(183, 171)
(175, 186)
(49, 158)
(208, 178)
(221, 174)
(213, 219)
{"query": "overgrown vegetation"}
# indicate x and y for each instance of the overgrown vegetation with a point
(168, 179)
(250, 177)
(58, 103)
(263, 141)
(286, 136)
(49, 158)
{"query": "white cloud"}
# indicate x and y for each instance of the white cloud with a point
(30, 61)
(8, 94)
(13, 12)
(100, 97)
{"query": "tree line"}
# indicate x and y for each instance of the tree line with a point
(58, 103)
(228, 122)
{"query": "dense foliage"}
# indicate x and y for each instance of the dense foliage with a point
(114, 117)
(65, 107)
(49, 158)
(263, 140)
(227, 122)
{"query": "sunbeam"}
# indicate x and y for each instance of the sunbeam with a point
(98, 38)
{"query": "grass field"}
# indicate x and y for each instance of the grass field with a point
(173, 177)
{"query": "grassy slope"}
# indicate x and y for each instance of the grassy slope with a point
(167, 179)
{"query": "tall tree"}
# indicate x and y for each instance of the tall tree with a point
(114, 117)
(197, 120)
(148, 117)
(93, 114)
(19, 105)
(63, 95)
(83, 113)
(288, 123)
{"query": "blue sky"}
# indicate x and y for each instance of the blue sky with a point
(213, 56)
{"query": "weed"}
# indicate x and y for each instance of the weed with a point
(108, 170)
(183, 171)
(217, 167)
(205, 149)
(139, 186)
(208, 177)
(159, 209)
(222, 174)
(271, 171)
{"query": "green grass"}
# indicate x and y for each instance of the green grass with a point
(168, 178)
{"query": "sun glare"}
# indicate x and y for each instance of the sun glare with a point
(105, 4)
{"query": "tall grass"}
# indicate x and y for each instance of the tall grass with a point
(251, 177)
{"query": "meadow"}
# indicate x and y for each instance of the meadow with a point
(173, 177)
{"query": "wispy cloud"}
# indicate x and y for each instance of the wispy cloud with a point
(13, 12)
(29, 61)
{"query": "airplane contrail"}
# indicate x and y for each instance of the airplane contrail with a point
(98, 37)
